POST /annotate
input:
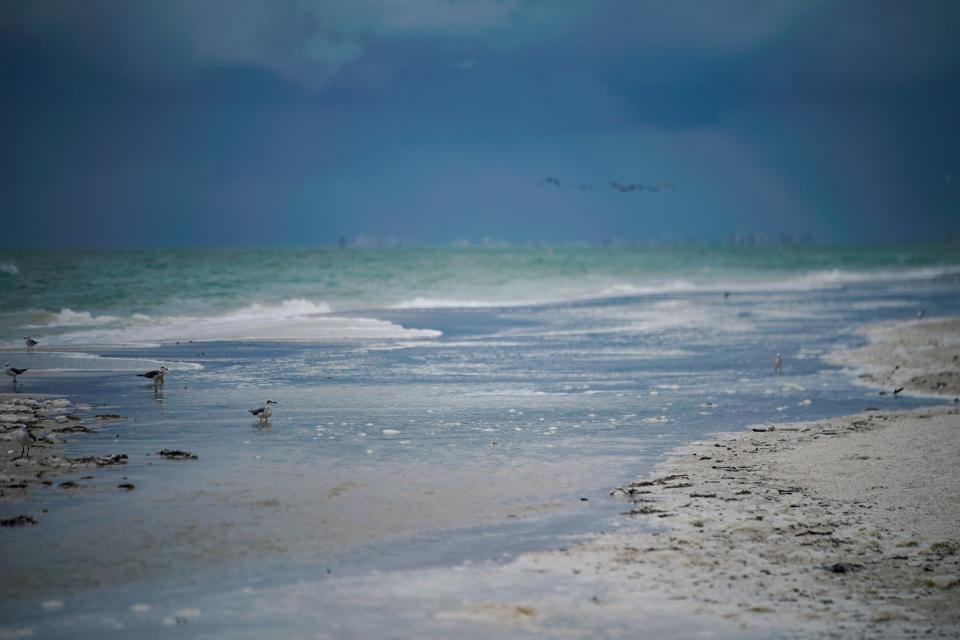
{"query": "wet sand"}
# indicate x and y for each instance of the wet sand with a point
(50, 421)
(847, 527)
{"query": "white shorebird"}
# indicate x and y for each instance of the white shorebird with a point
(777, 364)
(30, 342)
(24, 438)
(264, 412)
(156, 375)
(13, 372)
(920, 313)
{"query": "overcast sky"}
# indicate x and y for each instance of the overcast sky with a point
(131, 123)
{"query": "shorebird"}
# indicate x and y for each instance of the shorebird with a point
(24, 438)
(920, 313)
(778, 364)
(30, 342)
(264, 412)
(13, 372)
(156, 375)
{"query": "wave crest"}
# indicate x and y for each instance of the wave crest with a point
(67, 317)
(539, 292)
(294, 319)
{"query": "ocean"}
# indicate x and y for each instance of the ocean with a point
(439, 409)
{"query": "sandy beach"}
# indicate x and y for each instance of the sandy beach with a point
(847, 527)
(921, 356)
(839, 527)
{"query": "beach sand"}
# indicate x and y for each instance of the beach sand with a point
(920, 356)
(847, 527)
(50, 420)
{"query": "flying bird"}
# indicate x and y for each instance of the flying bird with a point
(264, 412)
(156, 375)
(13, 372)
(551, 181)
(639, 186)
(622, 187)
(625, 188)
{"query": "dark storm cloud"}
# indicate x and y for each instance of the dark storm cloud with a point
(302, 41)
(640, 41)
(183, 121)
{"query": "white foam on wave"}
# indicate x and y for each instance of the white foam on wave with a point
(295, 319)
(657, 317)
(69, 318)
(835, 277)
(822, 279)
(420, 302)
(9, 268)
(539, 292)
(622, 290)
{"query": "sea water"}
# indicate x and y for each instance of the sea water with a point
(439, 409)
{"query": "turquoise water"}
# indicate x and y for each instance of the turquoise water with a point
(440, 411)
(108, 297)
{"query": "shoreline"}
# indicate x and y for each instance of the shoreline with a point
(832, 554)
(832, 528)
(922, 356)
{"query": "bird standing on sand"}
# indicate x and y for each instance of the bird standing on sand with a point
(30, 342)
(13, 372)
(777, 364)
(264, 412)
(920, 313)
(156, 375)
(24, 438)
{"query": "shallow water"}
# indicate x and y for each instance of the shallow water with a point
(469, 440)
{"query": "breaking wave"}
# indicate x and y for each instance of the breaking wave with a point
(558, 291)
(295, 319)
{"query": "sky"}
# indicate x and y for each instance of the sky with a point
(298, 122)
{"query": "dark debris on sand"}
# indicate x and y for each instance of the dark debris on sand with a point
(51, 421)
(17, 521)
(176, 454)
(101, 461)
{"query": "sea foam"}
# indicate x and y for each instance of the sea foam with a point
(598, 287)
(294, 319)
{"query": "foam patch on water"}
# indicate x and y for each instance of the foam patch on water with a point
(290, 320)
(69, 318)
(65, 362)
(552, 291)
(420, 302)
